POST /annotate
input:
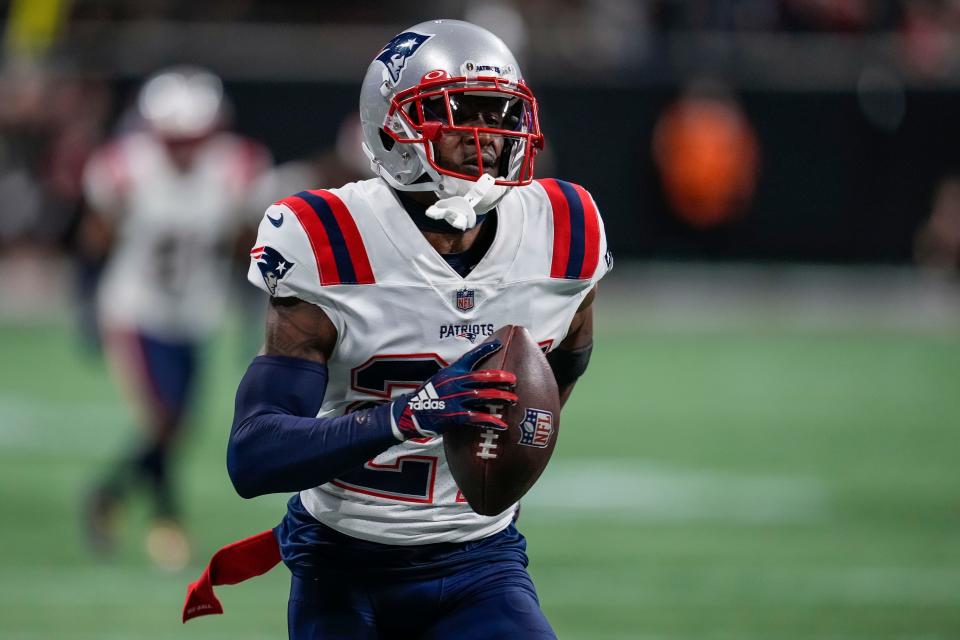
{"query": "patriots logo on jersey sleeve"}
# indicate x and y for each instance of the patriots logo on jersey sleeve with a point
(395, 53)
(273, 266)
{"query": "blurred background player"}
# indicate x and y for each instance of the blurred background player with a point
(166, 204)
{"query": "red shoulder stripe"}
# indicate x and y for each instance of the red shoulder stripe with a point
(561, 228)
(351, 234)
(334, 237)
(591, 233)
(319, 242)
(576, 230)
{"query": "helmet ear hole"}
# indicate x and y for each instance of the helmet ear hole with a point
(386, 140)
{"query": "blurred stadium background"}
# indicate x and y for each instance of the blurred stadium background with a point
(766, 443)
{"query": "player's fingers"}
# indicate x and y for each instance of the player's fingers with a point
(472, 358)
(494, 395)
(494, 376)
(486, 421)
(482, 398)
(482, 378)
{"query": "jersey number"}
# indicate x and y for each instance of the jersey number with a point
(409, 478)
(174, 259)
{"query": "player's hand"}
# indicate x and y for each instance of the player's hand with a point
(457, 395)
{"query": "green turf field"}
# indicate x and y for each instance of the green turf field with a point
(734, 485)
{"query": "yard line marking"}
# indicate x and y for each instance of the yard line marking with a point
(642, 491)
(59, 427)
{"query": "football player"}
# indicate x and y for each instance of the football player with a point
(166, 202)
(368, 285)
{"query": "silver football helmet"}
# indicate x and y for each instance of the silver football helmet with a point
(434, 80)
(182, 102)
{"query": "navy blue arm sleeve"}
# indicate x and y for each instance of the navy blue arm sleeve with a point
(276, 443)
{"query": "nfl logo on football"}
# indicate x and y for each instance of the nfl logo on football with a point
(465, 299)
(536, 428)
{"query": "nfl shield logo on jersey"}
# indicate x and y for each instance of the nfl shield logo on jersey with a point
(273, 266)
(465, 299)
(536, 428)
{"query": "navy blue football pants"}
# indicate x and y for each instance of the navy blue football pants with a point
(162, 374)
(489, 601)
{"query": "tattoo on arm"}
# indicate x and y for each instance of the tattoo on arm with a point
(298, 329)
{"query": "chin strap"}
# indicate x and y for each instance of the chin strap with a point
(460, 212)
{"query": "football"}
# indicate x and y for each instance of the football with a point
(494, 469)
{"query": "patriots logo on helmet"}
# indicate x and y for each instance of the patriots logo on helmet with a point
(395, 53)
(273, 266)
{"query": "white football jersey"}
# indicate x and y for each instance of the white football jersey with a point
(169, 270)
(402, 313)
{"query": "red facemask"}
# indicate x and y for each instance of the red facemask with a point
(481, 108)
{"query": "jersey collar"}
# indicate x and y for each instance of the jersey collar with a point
(418, 213)
(409, 240)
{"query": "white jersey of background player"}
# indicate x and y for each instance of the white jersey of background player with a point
(176, 194)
